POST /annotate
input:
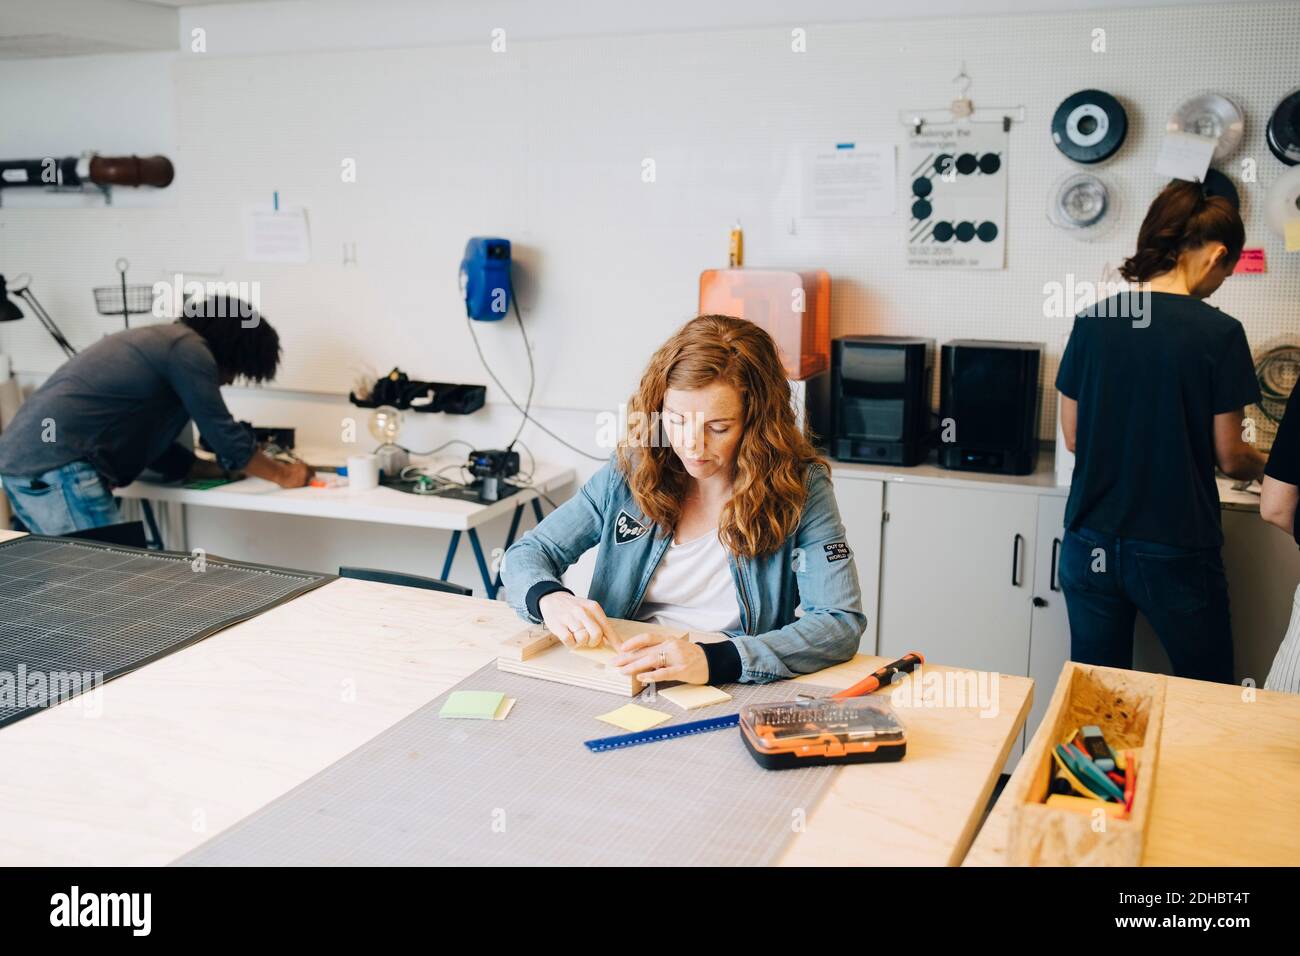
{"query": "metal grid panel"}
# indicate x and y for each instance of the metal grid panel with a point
(97, 611)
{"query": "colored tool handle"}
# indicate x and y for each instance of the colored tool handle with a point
(878, 679)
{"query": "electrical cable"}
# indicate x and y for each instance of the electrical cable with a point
(426, 454)
(541, 494)
(531, 374)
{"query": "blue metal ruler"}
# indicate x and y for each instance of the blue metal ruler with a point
(620, 741)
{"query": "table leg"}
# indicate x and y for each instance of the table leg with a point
(482, 565)
(155, 538)
(451, 554)
(510, 539)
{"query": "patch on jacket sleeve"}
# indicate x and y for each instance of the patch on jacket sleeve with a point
(627, 528)
(837, 551)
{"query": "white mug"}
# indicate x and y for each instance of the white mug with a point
(363, 472)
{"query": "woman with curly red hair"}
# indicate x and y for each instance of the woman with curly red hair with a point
(716, 515)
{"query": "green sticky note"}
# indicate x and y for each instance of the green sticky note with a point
(473, 704)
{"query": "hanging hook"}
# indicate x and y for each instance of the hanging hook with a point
(962, 81)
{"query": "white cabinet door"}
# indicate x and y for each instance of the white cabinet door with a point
(948, 587)
(1049, 638)
(860, 504)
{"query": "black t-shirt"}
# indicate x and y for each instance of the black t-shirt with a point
(1149, 378)
(1284, 459)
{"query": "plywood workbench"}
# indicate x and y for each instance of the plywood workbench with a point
(1228, 788)
(192, 743)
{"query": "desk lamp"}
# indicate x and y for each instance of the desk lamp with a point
(386, 425)
(9, 311)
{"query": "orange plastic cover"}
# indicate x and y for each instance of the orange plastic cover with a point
(794, 308)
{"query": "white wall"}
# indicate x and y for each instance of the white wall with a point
(693, 57)
(298, 25)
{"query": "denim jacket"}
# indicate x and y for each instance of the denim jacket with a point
(813, 570)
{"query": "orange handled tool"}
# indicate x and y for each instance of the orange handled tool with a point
(880, 678)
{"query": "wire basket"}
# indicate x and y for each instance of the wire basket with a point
(138, 299)
(122, 299)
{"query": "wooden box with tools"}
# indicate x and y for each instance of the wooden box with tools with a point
(1129, 708)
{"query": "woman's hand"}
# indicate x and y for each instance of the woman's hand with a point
(576, 621)
(659, 657)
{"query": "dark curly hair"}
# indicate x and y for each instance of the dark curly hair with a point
(1183, 217)
(242, 341)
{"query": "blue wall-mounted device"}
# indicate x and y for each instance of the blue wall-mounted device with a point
(485, 278)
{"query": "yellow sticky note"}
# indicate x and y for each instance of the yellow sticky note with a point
(691, 696)
(1292, 233)
(634, 717)
(504, 710)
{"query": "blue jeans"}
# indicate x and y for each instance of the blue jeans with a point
(1182, 593)
(62, 500)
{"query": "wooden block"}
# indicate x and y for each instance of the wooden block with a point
(528, 643)
(1129, 708)
(583, 666)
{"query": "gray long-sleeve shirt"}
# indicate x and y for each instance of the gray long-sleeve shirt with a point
(121, 404)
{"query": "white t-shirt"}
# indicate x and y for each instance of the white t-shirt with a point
(692, 588)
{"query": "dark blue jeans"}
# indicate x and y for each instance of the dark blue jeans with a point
(1182, 593)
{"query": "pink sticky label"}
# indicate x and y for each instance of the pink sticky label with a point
(1251, 262)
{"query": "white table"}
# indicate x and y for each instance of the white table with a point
(379, 505)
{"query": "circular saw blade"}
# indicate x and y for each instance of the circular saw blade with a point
(1282, 204)
(1283, 133)
(1211, 115)
(1089, 126)
(1082, 204)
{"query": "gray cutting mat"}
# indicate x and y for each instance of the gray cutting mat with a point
(80, 612)
(525, 791)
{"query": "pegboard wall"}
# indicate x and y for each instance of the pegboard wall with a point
(547, 143)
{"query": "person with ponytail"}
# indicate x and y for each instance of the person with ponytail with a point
(1153, 388)
(715, 516)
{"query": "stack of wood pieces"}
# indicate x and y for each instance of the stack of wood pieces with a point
(536, 652)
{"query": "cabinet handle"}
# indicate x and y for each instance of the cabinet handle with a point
(1056, 544)
(1015, 560)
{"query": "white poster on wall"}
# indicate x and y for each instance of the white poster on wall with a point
(957, 197)
(848, 180)
(275, 233)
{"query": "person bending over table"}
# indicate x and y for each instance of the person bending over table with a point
(1153, 386)
(117, 408)
(715, 514)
